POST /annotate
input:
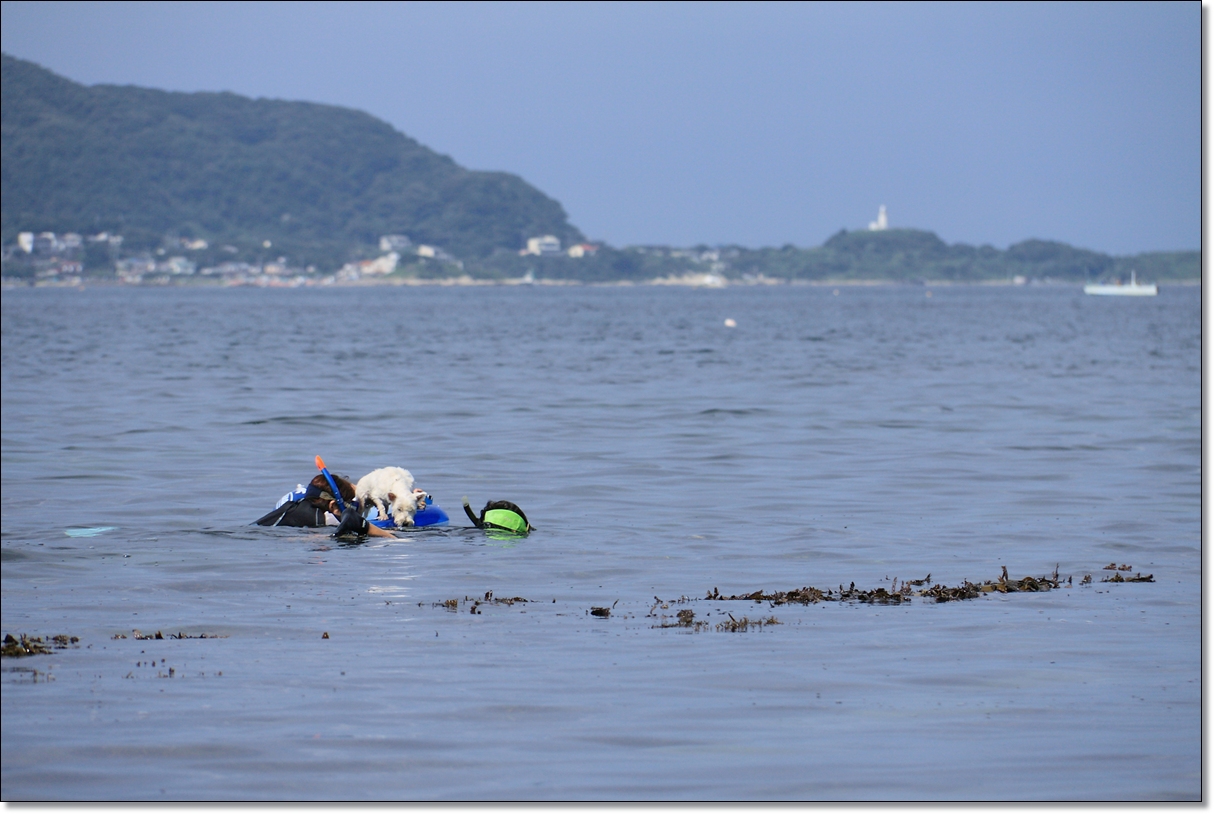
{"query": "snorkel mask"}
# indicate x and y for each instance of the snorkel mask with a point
(507, 520)
(501, 516)
(316, 493)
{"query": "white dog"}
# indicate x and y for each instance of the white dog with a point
(391, 490)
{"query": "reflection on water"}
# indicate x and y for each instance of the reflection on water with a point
(862, 437)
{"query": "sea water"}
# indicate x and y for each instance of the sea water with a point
(858, 434)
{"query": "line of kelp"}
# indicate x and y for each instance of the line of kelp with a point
(909, 589)
(897, 593)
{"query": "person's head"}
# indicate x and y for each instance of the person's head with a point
(505, 516)
(320, 492)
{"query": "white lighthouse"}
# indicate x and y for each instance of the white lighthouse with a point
(881, 223)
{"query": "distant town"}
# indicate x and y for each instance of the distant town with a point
(877, 253)
(60, 260)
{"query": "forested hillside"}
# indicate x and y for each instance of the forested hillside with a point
(913, 254)
(315, 180)
(903, 255)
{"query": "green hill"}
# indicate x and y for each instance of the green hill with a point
(317, 181)
(906, 255)
(914, 255)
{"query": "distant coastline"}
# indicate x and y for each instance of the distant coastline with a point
(465, 281)
(133, 186)
(868, 257)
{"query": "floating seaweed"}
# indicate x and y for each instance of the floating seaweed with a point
(1135, 578)
(941, 593)
(34, 645)
(895, 595)
(603, 612)
(1005, 585)
(489, 599)
(685, 619)
(664, 604)
(137, 634)
(798, 596)
(745, 623)
(879, 596)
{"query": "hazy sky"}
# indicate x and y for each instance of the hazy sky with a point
(719, 123)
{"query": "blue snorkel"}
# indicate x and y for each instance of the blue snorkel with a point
(320, 464)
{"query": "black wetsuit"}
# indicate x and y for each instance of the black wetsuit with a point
(299, 513)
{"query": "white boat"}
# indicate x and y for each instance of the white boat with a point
(1134, 289)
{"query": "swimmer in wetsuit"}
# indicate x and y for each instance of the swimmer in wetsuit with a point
(316, 507)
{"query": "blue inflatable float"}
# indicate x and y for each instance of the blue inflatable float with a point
(431, 515)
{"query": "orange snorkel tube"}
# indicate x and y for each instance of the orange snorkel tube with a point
(320, 464)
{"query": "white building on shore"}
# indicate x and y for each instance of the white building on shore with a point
(545, 245)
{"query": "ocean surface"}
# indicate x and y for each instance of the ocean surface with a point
(834, 436)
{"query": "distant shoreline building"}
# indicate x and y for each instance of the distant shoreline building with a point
(546, 245)
(394, 243)
(583, 250)
(881, 223)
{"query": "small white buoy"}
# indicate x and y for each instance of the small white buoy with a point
(730, 323)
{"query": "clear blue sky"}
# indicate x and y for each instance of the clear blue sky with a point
(720, 123)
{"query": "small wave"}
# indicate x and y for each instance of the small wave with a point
(144, 430)
(297, 420)
(88, 532)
